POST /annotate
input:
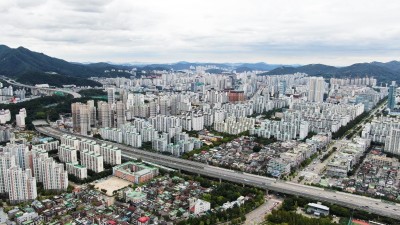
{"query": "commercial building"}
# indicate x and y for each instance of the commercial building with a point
(317, 209)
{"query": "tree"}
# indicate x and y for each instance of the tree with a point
(256, 148)
(288, 205)
(41, 115)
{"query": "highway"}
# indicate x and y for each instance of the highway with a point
(340, 198)
(74, 94)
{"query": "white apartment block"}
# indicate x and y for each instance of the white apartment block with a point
(160, 144)
(133, 139)
(54, 175)
(77, 170)
(20, 118)
(6, 161)
(70, 141)
(392, 143)
(316, 89)
(22, 186)
(81, 117)
(67, 153)
(384, 130)
(113, 134)
(238, 110)
(111, 155)
(120, 113)
(91, 160)
(325, 117)
(49, 172)
(38, 156)
(162, 123)
(234, 125)
(48, 146)
(197, 122)
(123, 135)
(20, 152)
(369, 81)
(282, 130)
(105, 114)
(90, 145)
(5, 116)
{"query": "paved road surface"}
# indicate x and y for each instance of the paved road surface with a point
(257, 216)
(74, 94)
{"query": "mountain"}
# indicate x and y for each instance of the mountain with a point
(392, 65)
(261, 66)
(18, 61)
(31, 67)
(384, 72)
(311, 69)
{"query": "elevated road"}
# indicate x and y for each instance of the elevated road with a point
(340, 198)
(13, 82)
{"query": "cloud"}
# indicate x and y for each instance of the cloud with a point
(339, 32)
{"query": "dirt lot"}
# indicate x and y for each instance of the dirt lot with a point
(111, 184)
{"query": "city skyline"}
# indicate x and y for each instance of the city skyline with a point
(336, 33)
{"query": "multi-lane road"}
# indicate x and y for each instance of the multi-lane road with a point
(340, 198)
(13, 82)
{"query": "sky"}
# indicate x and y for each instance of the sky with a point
(335, 32)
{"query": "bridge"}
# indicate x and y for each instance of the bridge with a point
(319, 194)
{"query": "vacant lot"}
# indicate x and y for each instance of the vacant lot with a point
(111, 184)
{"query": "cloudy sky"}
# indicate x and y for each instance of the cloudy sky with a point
(337, 32)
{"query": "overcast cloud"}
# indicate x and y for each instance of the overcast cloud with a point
(337, 32)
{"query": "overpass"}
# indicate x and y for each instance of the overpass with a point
(319, 194)
(42, 89)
